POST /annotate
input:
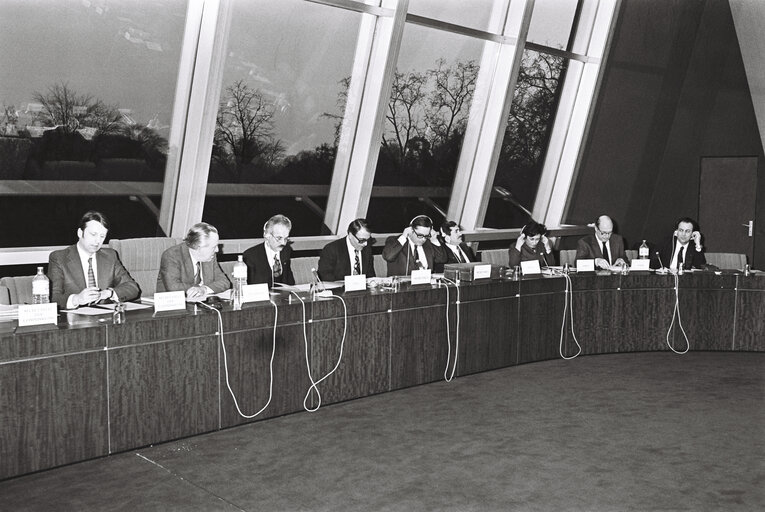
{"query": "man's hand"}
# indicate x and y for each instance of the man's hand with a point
(696, 236)
(196, 292)
(519, 243)
(602, 263)
(546, 243)
(89, 296)
(620, 263)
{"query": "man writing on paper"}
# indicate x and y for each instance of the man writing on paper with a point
(457, 251)
(86, 272)
(269, 262)
(348, 256)
(683, 249)
(192, 266)
(416, 248)
(604, 246)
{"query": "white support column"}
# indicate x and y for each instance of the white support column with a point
(484, 133)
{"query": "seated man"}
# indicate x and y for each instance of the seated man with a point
(86, 273)
(192, 266)
(269, 262)
(416, 248)
(350, 255)
(683, 248)
(533, 244)
(604, 246)
(457, 251)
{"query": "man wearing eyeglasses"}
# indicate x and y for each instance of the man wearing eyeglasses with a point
(350, 255)
(416, 248)
(604, 246)
(269, 262)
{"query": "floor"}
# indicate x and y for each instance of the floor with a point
(626, 432)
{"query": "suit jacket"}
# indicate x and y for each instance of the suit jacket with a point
(451, 258)
(335, 262)
(589, 248)
(401, 261)
(259, 270)
(67, 278)
(527, 254)
(176, 271)
(691, 257)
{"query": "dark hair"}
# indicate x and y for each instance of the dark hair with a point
(447, 225)
(93, 215)
(197, 233)
(534, 228)
(686, 220)
(356, 226)
(421, 221)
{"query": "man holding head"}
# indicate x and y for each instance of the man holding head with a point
(457, 251)
(192, 265)
(350, 255)
(416, 248)
(86, 272)
(604, 246)
(532, 244)
(683, 249)
(269, 262)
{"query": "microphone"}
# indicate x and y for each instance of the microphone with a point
(659, 257)
(317, 279)
(545, 259)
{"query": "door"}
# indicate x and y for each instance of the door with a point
(727, 199)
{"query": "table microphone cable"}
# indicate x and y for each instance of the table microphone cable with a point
(676, 312)
(448, 377)
(568, 305)
(225, 361)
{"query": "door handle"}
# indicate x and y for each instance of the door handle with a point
(749, 225)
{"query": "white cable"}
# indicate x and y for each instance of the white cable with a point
(568, 298)
(225, 362)
(314, 384)
(447, 377)
(676, 311)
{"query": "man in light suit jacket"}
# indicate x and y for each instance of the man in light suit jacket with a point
(457, 251)
(269, 262)
(416, 248)
(604, 239)
(86, 272)
(350, 255)
(192, 265)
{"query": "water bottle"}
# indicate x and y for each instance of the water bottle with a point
(747, 270)
(643, 252)
(240, 279)
(40, 288)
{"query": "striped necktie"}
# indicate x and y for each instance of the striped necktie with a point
(91, 274)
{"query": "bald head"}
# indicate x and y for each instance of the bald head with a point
(604, 227)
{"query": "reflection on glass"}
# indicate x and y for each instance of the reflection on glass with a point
(287, 67)
(476, 14)
(526, 138)
(425, 124)
(551, 22)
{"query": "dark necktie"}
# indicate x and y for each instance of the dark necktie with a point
(458, 254)
(91, 274)
(606, 256)
(277, 270)
(680, 257)
(417, 261)
(198, 274)
(357, 265)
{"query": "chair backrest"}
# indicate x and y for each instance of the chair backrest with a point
(5, 296)
(496, 257)
(381, 266)
(726, 260)
(632, 254)
(141, 257)
(19, 289)
(568, 256)
(301, 269)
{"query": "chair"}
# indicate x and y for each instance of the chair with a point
(726, 260)
(19, 289)
(141, 257)
(632, 254)
(496, 257)
(568, 256)
(301, 269)
(381, 266)
(5, 296)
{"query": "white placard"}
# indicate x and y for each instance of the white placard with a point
(482, 272)
(530, 267)
(421, 276)
(255, 292)
(355, 283)
(169, 301)
(644, 264)
(38, 314)
(585, 265)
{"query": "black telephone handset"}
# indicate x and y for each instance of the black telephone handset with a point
(214, 302)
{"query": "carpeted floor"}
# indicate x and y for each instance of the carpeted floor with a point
(628, 432)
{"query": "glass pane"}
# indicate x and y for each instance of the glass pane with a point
(286, 70)
(551, 22)
(87, 91)
(526, 138)
(425, 126)
(478, 16)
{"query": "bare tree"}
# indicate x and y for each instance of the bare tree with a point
(453, 88)
(405, 114)
(63, 107)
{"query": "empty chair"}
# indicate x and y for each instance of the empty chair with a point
(301, 268)
(495, 256)
(381, 266)
(726, 260)
(568, 256)
(141, 257)
(19, 289)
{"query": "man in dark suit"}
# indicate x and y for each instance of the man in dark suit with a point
(457, 251)
(350, 255)
(192, 266)
(416, 248)
(269, 262)
(86, 273)
(682, 249)
(604, 246)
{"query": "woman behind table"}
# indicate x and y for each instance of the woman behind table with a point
(533, 244)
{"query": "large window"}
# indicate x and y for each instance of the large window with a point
(87, 92)
(477, 14)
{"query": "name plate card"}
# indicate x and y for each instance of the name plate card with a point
(530, 267)
(421, 276)
(644, 264)
(482, 272)
(169, 301)
(585, 265)
(255, 292)
(355, 283)
(38, 314)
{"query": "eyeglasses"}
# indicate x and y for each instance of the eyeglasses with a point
(421, 236)
(362, 241)
(605, 233)
(281, 239)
